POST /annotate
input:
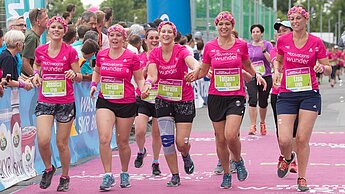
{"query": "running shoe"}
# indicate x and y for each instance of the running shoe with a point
(155, 169)
(252, 130)
(64, 184)
(107, 183)
(174, 181)
(226, 183)
(242, 173)
(124, 180)
(284, 167)
(47, 178)
(219, 169)
(232, 167)
(302, 184)
(263, 129)
(139, 161)
(188, 164)
(293, 167)
(280, 160)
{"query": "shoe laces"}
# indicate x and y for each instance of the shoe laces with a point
(174, 179)
(106, 179)
(283, 165)
(124, 177)
(226, 178)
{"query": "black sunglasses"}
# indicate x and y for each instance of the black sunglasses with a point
(37, 13)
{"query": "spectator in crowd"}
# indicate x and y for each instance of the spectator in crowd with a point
(71, 35)
(38, 19)
(89, 50)
(71, 8)
(134, 43)
(108, 18)
(16, 23)
(82, 29)
(14, 40)
(103, 38)
(67, 16)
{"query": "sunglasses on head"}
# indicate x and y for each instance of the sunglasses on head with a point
(37, 13)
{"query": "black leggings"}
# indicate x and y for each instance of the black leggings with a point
(253, 89)
(274, 108)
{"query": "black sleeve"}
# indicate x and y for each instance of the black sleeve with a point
(9, 66)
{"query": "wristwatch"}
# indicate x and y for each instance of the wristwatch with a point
(264, 51)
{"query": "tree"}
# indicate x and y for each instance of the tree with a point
(127, 10)
(58, 7)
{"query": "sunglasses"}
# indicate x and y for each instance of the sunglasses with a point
(37, 13)
(21, 25)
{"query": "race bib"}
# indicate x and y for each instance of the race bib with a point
(170, 89)
(54, 85)
(298, 79)
(153, 94)
(112, 88)
(227, 79)
(259, 67)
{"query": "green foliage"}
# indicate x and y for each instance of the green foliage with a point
(58, 7)
(129, 11)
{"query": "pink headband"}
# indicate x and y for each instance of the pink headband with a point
(57, 19)
(118, 28)
(224, 15)
(169, 23)
(297, 9)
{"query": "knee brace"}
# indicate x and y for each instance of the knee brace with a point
(166, 127)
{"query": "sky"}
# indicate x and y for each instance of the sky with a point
(92, 2)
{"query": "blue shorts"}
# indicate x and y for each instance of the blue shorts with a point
(292, 102)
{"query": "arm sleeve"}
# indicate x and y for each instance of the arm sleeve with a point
(136, 63)
(29, 45)
(245, 54)
(206, 57)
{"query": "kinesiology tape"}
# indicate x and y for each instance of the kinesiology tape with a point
(166, 127)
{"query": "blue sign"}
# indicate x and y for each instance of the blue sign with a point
(177, 11)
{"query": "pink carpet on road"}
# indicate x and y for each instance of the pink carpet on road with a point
(325, 173)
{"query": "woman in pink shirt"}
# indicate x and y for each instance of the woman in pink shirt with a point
(147, 109)
(116, 103)
(175, 101)
(56, 67)
(227, 56)
(298, 93)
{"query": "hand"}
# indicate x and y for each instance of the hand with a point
(191, 76)
(1, 91)
(93, 89)
(146, 91)
(261, 81)
(70, 74)
(28, 85)
(276, 79)
(319, 68)
(36, 81)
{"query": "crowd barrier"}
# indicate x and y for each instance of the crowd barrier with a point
(19, 156)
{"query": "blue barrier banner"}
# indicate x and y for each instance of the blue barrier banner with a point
(177, 11)
(19, 155)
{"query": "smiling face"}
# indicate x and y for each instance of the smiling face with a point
(116, 39)
(166, 34)
(224, 28)
(56, 31)
(283, 30)
(298, 22)
(152, 39)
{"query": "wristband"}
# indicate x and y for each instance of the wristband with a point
(21, 84)
(93, 84)
(36, 72)
(148, 81)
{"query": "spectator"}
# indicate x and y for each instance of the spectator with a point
(16, 23)
(82, 29)
(103, 38)
(71, 9)
(67, 16)
(89, 51)
(71, 35)
(134, 43)
(108, 18)
(38, 19)
(8, 64)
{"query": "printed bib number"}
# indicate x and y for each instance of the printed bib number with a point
(54, 85)
(153, 94)
(170, 89)
(112, 88)
(259, 67)
(298, 79)
(227, 79)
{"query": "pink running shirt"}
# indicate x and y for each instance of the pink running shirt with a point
(120, 68)
(56, 66)
(273, 55)
(300, 61)
(230, 59)
(173, 69)
(143, 62)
